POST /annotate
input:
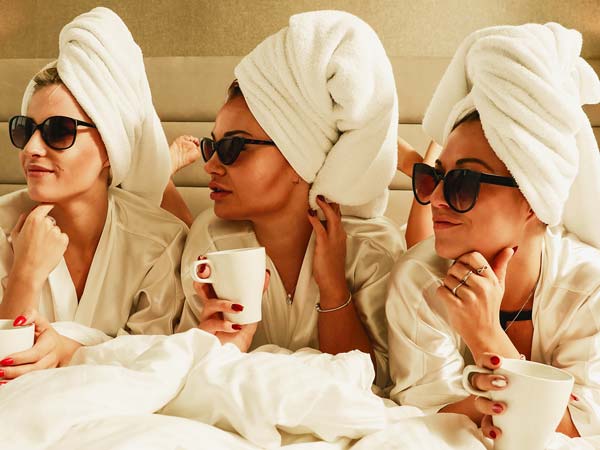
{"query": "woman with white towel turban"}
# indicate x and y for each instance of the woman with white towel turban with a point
(93, 259)
(513, 270)
(320, 98)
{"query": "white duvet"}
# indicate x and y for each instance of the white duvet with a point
(186, 391)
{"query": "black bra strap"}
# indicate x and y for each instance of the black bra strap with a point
(514, 316)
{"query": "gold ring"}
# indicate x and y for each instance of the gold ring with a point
(466, 277)
(456, 288)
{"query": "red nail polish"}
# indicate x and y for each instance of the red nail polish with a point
(19, 321)
(1, 373)
(237, 307)
(497, 408)
(236, 326)
(493, 434)
(7, 362)
(495, 360)
(312, 212)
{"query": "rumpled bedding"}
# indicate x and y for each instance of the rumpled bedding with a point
(187, 391)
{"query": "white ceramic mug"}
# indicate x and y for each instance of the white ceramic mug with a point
(536, 399)
(14, 339)
(238, 276)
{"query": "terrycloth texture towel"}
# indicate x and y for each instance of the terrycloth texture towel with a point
(323, 89)
(528, 83)
(103, 68)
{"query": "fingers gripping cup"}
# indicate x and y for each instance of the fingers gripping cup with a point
(536, 399)
(238, 276)
(14, 339)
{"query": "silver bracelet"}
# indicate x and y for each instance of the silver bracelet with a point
(337, 308)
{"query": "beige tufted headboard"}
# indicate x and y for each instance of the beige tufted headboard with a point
(187, 93)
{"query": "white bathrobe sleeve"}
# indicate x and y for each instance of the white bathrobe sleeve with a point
(371, 269)
(159, 301)
(578, 352)
(5, 262)
(424, 353)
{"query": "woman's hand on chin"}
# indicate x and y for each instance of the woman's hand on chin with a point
(329, 262)
(49, 350)
(472, 292)
(38, 245)
(184, 150)
(212, 320)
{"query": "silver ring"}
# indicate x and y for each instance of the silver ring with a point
(481, 270)
(456, 288)
(466, 277)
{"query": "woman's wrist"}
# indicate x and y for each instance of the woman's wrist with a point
(22, 275)
(68, 347)
(492, 339)
(333, 297)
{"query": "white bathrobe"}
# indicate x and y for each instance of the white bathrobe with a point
(372, 246)
(133, 285)
(427, 357)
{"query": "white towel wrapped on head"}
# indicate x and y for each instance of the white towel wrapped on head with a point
(528, 83)
(102, 66)
(323, 90)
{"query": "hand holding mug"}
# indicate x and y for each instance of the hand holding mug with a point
(486, 382)
(38, 244)
(523, 402)
(50, 349)
(231, 321)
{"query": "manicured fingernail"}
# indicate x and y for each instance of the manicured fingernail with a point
(312, 212)
(237, 307)
(19, 321)
(320, 197)
(236, 326)
(1, 373)
(499, 382)
(493, 434)
(495, 360)
(7, 362)
(497, 408)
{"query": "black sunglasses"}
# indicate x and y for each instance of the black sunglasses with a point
(228, 149)
(461, 186)
(59, 132)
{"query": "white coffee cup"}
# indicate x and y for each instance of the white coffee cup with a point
(238, 276)
(536, 399)
(14, 339)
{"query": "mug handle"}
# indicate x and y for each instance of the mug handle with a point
(195, 266)
(467, 383)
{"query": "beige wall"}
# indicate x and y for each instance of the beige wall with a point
(29, 28)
